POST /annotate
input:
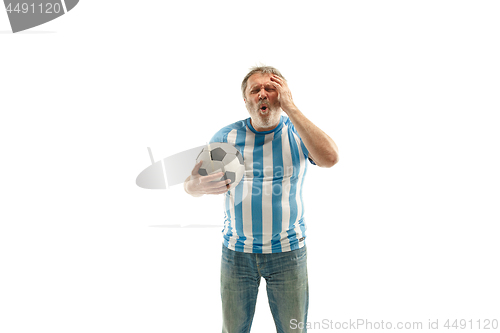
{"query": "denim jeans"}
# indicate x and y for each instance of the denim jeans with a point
(286, 283)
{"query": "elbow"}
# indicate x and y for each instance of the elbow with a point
(335, 160)
(334, 157)
(328, 163)
(332, 160)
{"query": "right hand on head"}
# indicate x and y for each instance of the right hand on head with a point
(197, 185)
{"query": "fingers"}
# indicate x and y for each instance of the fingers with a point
(220, 190)
(209, 178)
(279, 83)
(218, 187)
(210, 184)
(196, 168)
(276, 79)
(275, 82)
(223, 189)
(212, 177)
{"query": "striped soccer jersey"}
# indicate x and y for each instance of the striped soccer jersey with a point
(264, 213)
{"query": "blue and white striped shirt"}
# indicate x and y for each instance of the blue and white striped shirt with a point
(265, 212)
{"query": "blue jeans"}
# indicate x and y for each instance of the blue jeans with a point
(286, 283)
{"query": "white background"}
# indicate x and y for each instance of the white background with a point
(403, 228)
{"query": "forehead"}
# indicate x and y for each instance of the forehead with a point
(259, 79)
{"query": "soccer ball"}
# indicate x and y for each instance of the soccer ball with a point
(220, 156)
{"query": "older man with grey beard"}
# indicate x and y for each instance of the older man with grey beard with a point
(264, 232)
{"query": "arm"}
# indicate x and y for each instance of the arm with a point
(322, 149)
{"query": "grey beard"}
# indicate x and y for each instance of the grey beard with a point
(267, 122)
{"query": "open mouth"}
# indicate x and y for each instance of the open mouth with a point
(264, 108)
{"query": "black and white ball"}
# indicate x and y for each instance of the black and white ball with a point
(222, 157)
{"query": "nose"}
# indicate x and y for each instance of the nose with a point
(262, 94)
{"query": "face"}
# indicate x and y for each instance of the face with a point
(262, 102)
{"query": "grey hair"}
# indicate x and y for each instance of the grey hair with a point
(258, 69)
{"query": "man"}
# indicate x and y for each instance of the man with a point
(264, 232)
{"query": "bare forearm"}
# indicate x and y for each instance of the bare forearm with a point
(321, 147)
